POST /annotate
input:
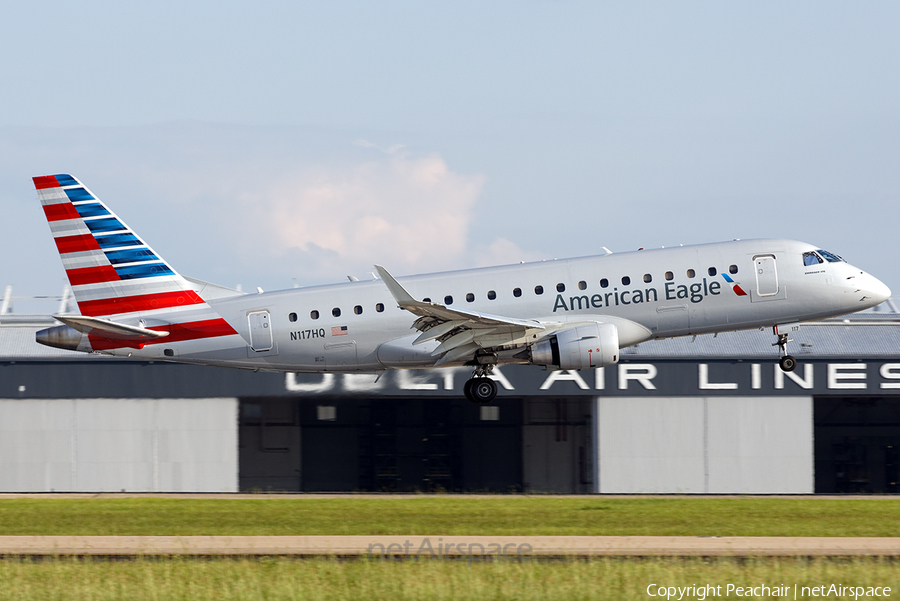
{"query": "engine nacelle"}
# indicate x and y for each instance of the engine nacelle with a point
(581, 347)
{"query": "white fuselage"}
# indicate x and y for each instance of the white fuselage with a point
(357, 326)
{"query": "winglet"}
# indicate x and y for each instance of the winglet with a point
(396, 289)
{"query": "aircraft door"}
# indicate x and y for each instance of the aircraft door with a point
(260, 331)
(766, 275)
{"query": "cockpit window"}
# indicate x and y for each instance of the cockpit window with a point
(811, 258)
(830, 257)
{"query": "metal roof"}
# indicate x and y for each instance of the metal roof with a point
(17, 339)
(871, 333)
(814, 340)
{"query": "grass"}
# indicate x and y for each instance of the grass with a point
(450, 515)
(278, 578)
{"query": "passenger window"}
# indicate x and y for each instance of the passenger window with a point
(538, 289)
(426, 300)
(711, 271)
(314, 314)
(732, 269)
(811, 258)
(648, 278)
(626, 280)
(336, 312)
(292, 316)
(560, 287)
(690, 273)
(670, 276)
(357, 309)
(492, 295)
(604, 283)
(448, 300)
(379, 307)
(517, 292)
(582, 285)
(470, 298)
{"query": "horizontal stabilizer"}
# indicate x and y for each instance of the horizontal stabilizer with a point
(108, 329)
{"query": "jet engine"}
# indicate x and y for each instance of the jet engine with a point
(580, 347)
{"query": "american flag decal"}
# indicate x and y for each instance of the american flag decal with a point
(339, 331)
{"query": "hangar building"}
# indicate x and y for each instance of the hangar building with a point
(709, 415)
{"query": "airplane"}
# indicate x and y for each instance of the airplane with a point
(566, 314)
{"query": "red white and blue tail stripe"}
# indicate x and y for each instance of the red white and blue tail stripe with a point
(114, 274)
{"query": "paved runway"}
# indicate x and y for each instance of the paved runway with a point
(450, 546)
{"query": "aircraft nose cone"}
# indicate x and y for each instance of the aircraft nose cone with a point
(880, 291)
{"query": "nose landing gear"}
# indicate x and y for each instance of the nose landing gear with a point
(785, 361)
(480, 388)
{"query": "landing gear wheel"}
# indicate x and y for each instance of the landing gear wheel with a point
(467, 388)
(787, 363)
(480, 390)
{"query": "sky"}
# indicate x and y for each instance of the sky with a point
(286, 144)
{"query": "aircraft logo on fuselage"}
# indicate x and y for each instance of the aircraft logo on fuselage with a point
(734, 285)
(694, 293)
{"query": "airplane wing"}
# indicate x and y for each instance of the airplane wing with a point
(459, 331)
(108, 329)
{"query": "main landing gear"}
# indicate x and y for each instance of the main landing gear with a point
(480, 388)
(787, 362)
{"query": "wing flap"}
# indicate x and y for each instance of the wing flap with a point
(461, 338)
(435, 331)
(458, 353)
(462, 333)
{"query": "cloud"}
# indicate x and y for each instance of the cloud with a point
(503, 252)
(261, 206)
(409, 212)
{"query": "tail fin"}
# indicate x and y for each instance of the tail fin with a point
(114, 273)
(110, 268)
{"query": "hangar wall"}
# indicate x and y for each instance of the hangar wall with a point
(761, 445)
(114, 445)
(711, 414)
(316, 444)
(556, 446)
